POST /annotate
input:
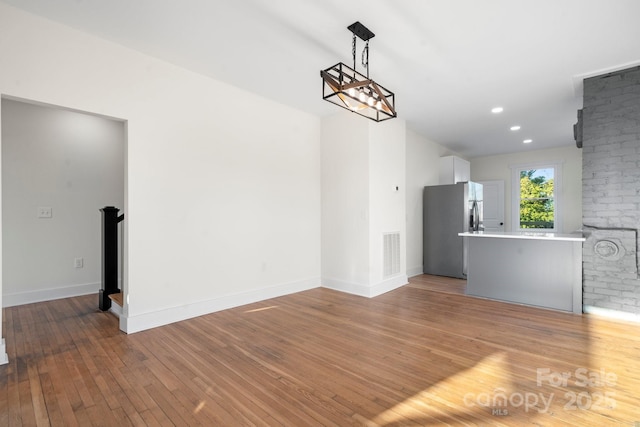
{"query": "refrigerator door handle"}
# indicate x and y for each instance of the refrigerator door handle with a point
(475, 225)
(477, 216)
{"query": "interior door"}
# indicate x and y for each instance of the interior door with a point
(493, 201)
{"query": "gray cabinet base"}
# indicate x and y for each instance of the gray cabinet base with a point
(543, 273)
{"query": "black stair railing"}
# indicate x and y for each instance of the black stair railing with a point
(110, 220)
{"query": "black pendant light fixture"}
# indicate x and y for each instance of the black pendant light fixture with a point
(347, 88)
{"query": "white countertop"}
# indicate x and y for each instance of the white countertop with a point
(531, 235)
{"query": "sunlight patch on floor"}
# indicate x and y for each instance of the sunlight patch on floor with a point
(476, 389)
(199, 407)
(255, 310)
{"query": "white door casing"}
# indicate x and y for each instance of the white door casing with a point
(493, 204)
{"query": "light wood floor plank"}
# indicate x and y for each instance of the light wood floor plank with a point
(424, 354)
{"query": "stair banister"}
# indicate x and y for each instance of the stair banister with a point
(110, 220)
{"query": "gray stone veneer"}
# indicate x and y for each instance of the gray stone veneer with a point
(611, 190)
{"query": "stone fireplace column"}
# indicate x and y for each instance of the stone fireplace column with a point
(611, 193)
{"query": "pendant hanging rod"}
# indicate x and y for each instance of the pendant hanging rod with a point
(365, 35)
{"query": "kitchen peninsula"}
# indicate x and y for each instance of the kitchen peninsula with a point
(540, 269)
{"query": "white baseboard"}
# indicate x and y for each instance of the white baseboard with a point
(20, 298)
(4, 359)
(347, 287)
(116, 309)
(140, 322)
(365, 290)
(612, 314)
(389, 285)
(415, 271)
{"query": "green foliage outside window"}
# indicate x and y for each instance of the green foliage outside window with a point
(536, 198)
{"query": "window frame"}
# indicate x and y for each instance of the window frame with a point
(557, 196)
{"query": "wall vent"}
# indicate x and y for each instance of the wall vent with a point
(391, 254)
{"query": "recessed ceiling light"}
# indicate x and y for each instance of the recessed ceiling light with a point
(497, 110)
(527, 141)
(515, 128)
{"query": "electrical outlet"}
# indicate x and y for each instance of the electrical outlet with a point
(78, 262)
(44, 212)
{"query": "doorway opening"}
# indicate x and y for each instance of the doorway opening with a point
(59, 168)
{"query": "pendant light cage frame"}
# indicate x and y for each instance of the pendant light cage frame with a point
(347, 88)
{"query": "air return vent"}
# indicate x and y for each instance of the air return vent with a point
(391, 254)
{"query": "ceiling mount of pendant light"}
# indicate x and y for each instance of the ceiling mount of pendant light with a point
(347, 88)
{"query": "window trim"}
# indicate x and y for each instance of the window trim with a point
(557, 196)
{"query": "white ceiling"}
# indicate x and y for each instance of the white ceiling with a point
(448, 61)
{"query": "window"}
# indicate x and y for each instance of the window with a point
(535, 197)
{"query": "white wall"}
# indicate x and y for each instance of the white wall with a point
(387, 170)
(223, 187)
(73, 163)
(4, 359)
(362, 163)
(345, 201)
(499, 168)
(422, 169)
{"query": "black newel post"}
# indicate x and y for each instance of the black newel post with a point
(110, 220)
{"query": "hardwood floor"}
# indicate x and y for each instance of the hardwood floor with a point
(416, 356)
(447, 285)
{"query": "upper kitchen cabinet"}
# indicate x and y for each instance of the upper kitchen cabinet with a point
(454, 169)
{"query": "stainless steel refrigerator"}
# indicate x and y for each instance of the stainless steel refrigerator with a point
(447, 211)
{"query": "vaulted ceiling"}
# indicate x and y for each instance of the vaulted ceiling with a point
(449, 62)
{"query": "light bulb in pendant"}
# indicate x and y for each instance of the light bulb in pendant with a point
(362, 97)
(379, 105)
(371, 101)
(352, 92)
